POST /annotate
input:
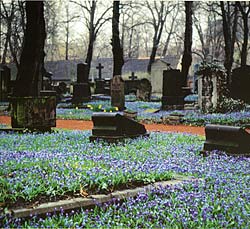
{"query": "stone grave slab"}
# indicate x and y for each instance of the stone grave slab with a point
(114, 127)
(231, 139)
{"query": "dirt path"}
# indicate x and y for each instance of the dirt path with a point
(88, 125)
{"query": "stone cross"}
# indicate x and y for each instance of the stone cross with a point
(132, 77)
(99, 67)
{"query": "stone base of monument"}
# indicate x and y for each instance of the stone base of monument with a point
(173, 119)
(232, 140)
(130, 114)
(33, 113)
(172, 102)
(81, 93)
(114, 127)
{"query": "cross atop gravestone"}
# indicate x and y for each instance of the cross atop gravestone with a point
(133, 76)
(99, 67)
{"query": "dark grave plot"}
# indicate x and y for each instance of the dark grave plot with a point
(233, 140)
(240, 83)
(114, 127)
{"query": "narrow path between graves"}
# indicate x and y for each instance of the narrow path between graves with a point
(88, 125)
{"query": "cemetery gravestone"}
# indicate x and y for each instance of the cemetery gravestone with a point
(231, 139)
(114, 127)
(240, 84)
(117, 92)
(132, 85)
(81, 89)
(173, 81)
(99, 83)
(34, 113)
(144, 90)
(210, 89)
(4, 82)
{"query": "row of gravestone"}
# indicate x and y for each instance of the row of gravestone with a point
(173, 83)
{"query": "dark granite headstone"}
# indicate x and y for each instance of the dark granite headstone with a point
(113, 127)
(233, 140)
(117, 92)
(4, 82)
(240, 83)
(99, 83)
(173, 81)
(81, 89)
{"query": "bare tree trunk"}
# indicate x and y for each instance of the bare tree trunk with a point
(229, 36)
(245, 15)
(92, 36)
(116, 45)
(67, 34)
(89, 57)
(158, 27)
(29, 75)
(165, 49)
(187, 55)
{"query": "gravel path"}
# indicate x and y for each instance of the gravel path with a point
(88, 125)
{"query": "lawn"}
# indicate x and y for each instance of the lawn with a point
(65, 162)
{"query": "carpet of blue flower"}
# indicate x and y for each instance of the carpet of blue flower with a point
(53, 164)
(191, 117)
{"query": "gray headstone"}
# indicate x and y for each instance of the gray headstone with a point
(144, 90)
(117, 92)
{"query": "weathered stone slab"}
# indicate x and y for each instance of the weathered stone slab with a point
(114, 127)
(93, 200)
(233, 140)
(117, 92)
(33, 112)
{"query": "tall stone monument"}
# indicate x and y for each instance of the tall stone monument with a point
(240, 83)
(211, 88)
(99, 83)
(117, 92)
(173, 81)
(81, 89)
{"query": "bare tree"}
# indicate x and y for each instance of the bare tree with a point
(229, 13)
(187, 54)
(13, 15)
(29, 75)
(171, 29)
(93, 23)
(51, 11)
(159, 14)
(244, 8)
(116, 43)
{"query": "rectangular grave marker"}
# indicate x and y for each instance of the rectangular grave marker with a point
(117, 92)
